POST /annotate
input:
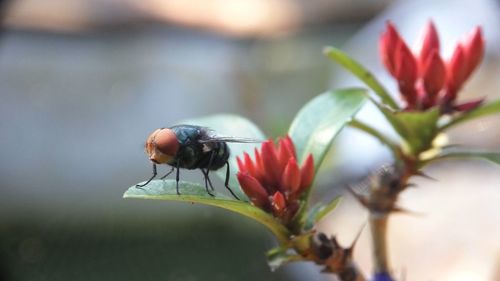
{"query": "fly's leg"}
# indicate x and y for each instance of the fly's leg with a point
(210, 162)
(168, 173)
(210, 182)
(177, 179)
(150, 179)
(226, 182)
(207, 182)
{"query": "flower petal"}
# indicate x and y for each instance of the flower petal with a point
(406, 73)
(289, 144)
(434, 76)
(250, 166)
(457, 67)
(278, 203)
(468, 105)
(272, 168)
(241, 165)
(387, 45)
(253, 189)
(406, 65)
(290, 179)
(430, 44)
(307, 173)
(284, 152)
(474, 50)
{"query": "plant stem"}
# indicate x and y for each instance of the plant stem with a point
(378, 227)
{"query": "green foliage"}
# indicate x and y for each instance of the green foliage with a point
(312, 131)
(451, 153)
(417, 128)
(195, 193)
(482, 111)
(318, 212)
(376, 134)
(362, 73)
(280, 256)
(321, 119)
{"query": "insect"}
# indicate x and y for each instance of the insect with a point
(190, 147)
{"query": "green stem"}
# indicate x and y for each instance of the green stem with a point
(378, 227)
(362, 73)
(376, 134)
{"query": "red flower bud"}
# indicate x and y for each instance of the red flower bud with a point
(278, 203)
(253, 189)
(290, 179)
(307, 173)
(422, 81)
(468, 105)
(388, 42)
(406, 65)
(474, 50)
(285, 151)
(430, 44)
(271, 164)
(275, 171)
(457, 69)
(434, 75)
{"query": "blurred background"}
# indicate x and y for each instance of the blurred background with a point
(83, 83)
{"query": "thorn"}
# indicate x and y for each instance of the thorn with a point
(411, 185)
(357, 236)
(397, 209)
(358, 197)
(422, 174)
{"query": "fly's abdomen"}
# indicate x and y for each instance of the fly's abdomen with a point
(215, 156)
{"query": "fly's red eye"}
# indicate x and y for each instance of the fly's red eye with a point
(166, 142)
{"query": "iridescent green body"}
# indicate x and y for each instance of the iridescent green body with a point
(197, 149)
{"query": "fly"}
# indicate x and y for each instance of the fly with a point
(190, 147)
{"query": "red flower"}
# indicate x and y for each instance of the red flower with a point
(424, 79)
(274, 181)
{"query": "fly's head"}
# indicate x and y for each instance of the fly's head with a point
(162, 146)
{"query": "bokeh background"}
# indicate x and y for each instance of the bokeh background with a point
(83, 82)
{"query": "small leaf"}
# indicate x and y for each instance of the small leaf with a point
(484, 110)
(310, 218)
(362, 73)
(318, 212)
(231, 126)
(493, 157)
(195, 193)
(278, 257)
(421, 128)
(321, 119)
(417, 128)
(376, 134)
(325, 210)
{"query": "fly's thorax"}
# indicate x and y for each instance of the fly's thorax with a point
(162, 146)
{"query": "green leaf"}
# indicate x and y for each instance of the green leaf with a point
(232, 126)
(280, 256)
(318, 212)
(493, 157)
(420, 128)
(321, 119)
(484, 110)
(362, 73)
(195, 193)
(376, 134)
(417, 128)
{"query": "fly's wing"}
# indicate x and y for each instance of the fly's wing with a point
(210, 137)
(229, 139)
